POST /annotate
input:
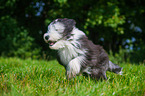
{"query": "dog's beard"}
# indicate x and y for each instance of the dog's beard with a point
(57, 44)
(51, 43)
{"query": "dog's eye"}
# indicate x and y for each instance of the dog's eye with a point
(59, 30)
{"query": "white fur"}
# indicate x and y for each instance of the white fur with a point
(87, 70)
(77, 33)
(54, 31)
(58, 45)
(73, 68)
(70, 55)
(63, 43)
(68, 52)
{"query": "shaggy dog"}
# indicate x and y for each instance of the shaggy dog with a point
(76, 53)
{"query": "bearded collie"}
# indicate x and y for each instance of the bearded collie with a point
(76, 53)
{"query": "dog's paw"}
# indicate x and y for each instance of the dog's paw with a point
(70, 75)
(121, 72)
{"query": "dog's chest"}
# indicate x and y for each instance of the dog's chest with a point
(68, 53)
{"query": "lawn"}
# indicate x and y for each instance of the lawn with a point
(39, 77)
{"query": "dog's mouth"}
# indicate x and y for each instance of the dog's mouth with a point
(51, 43)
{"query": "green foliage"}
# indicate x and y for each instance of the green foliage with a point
(33, 77)
(138, 55)
(122, 56)
(128, 56)
(60, 1)
(107, 15)
(14, 40)
(108, 23)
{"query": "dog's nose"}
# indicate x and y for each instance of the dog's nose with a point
(46, 37)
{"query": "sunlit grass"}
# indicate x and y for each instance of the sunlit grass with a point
(38, 77)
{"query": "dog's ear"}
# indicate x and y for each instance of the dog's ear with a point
(67, 22)
(70, 22)
(69, 25)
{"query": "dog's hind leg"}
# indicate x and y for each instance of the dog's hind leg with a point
(98, 74)
(114, 68)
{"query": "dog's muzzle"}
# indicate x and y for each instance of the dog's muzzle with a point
(46, 39)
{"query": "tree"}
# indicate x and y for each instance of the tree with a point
(113, 24)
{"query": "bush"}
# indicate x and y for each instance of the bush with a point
(119, 57)
(15, 41)
(135, 56)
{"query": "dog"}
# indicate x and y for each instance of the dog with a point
(76, 53)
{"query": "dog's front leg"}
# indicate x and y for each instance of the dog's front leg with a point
(73, 68)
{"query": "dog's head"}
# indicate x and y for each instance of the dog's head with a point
(59, 30)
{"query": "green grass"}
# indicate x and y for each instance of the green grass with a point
(38, 77)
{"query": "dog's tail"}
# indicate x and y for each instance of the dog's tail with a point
(114, 68)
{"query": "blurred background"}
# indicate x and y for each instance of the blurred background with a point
(117, 25)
